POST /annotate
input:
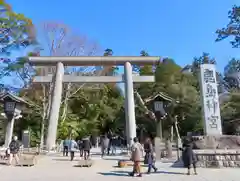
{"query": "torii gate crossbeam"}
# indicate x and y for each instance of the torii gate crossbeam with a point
(128, 79)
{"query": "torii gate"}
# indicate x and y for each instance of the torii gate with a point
(60, 78)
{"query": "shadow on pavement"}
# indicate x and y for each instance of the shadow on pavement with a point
(114, 159)
(171, 173)
(120, 174)
(177, 164)
(158, 172)
(3, 163)
(62, 159)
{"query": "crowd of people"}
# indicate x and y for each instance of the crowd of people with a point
(188, 156)
(109, 144)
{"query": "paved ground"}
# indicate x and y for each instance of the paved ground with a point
(57, 168)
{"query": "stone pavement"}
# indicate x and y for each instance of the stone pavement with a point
(58, 168)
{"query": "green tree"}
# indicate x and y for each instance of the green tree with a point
(108, 52)
(109, 70)
(16, 30)
(232, 67)
(204, 59)
(230, 113)
(232, 29)
(181, 87)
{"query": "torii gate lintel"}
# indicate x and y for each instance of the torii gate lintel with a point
(128, 79)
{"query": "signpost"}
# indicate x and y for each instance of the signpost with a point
(210, 100)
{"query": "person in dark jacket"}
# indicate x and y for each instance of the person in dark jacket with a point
(14, 147)
(114, 144)
(93, 140)
(188, 156)
(86, 147)
(110, 137)
(80, 146)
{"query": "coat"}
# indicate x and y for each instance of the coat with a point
(73, 146)
(188, 155)
(86, 145)
(104, 143)
(148, 149)
(137, 151)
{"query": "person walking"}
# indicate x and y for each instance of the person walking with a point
(189, 157)
(14, 147)
(104, 144)
(110, 137)
(115, 143)
(137, 152)
(66, 147)
(149, 155)
(73, 148)
(80, 147)
(86, 147)
(93, 140)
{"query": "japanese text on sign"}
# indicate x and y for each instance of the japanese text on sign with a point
(210, 100)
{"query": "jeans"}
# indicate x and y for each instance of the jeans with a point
(81, 152)
(65, 151)
(72, 155)
(86, 154)
(103, 150)
(150, 166)
(114, 150)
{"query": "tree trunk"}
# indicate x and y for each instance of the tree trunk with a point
(169, 148)
(46, 111)
(159, 129)
(171, 134)
(65, 103)
(179, 141)
(42, 132)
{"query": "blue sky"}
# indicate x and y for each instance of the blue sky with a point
(176, 29)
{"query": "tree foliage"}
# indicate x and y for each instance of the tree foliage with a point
(232, 29)
(16, 30)
(88, 109)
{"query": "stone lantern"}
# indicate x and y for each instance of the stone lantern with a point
(159, 104)
(13, 106)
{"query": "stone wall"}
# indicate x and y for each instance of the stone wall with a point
(218, 158)
(217, 142)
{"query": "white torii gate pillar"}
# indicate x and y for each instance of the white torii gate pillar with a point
(60, 78)
(130, 105)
